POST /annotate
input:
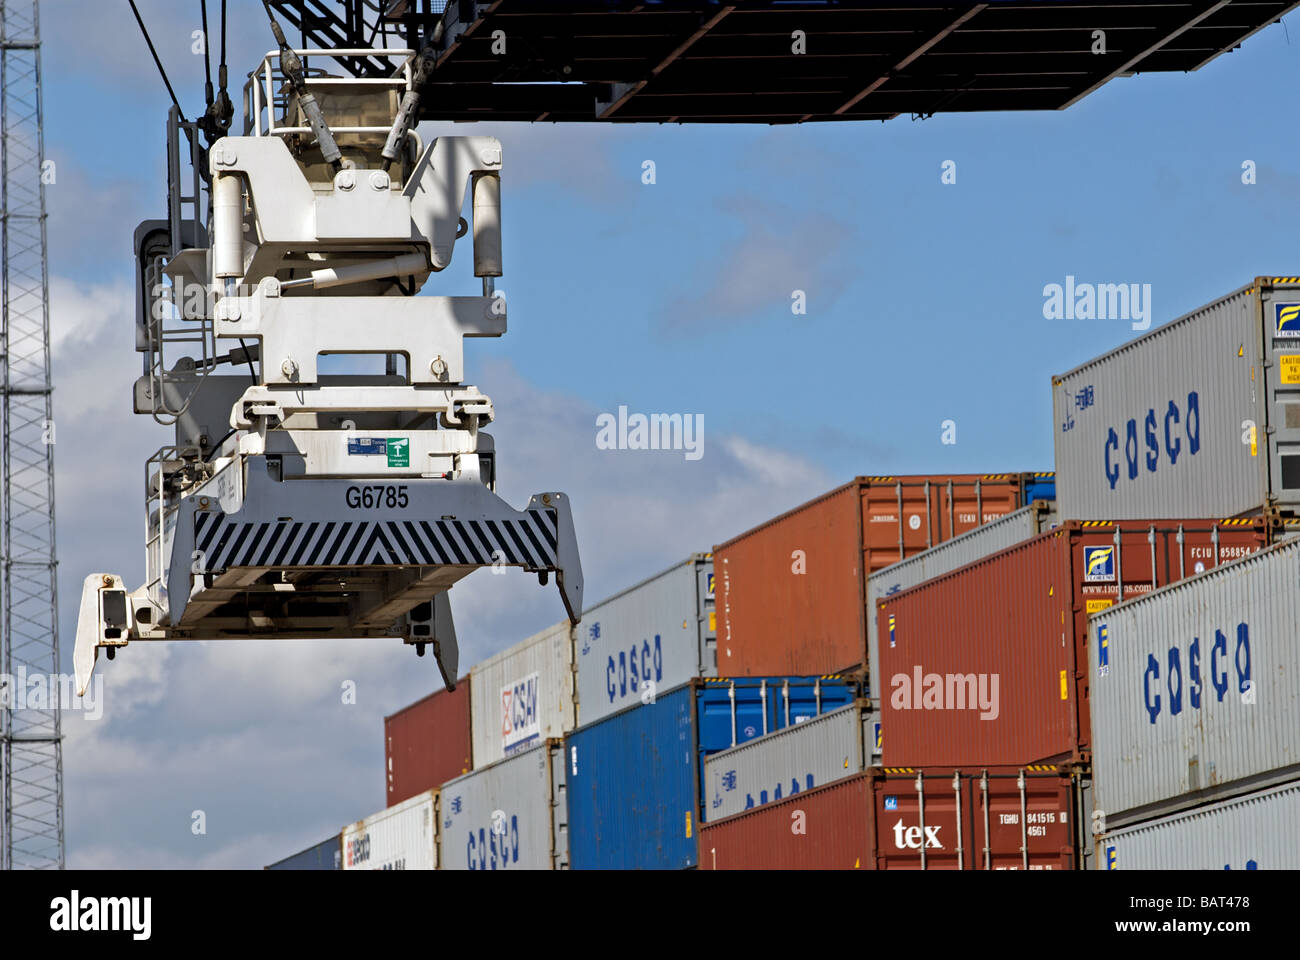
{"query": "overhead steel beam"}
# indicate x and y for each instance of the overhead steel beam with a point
(624, 92)
(1208, 10)
(903, 64)
(457, 30)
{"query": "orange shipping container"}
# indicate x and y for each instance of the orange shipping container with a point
(427, 744)
(791, 593)
(827, 828)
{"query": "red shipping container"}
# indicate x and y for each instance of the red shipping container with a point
(791, 593)
(997, 818)
(427, 743)
(827, 828)
(988, 664)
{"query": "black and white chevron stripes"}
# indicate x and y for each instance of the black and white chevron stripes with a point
(530, 541)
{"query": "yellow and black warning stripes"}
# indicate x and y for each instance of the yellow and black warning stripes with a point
(1096, 523)
(771, 682)
(1041, 768)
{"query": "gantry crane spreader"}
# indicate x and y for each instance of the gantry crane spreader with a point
(297, 503)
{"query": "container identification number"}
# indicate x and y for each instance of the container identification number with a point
(376, 496)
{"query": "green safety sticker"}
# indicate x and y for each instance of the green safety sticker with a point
(399, 451)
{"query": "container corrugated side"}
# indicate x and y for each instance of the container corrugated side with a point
(973, 818)
(987, 664)
(523, 695)
(791, 592)
(632, 779)
(826, 828)
(1194, 687)
(654, 636)
(1162, 425)
(403, 837)
(427, 743)
(634, 776)
(511, 815)
(1015, 527)
(1259, 831)
(326, 855)
(799, 758)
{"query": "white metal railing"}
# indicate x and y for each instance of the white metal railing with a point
(260, 95)
(157, 505)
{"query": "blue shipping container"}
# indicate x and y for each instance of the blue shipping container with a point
(1040, 486)
(633, 777)
(326, 855)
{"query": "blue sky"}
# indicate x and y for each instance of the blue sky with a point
(925, 302)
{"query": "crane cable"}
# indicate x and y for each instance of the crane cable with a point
(207, 62)
(157, 61)
(219, 111)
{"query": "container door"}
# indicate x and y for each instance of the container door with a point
(970, 503)
(1029, 821)
(1281, 451)
(923, 823)
(559, 806)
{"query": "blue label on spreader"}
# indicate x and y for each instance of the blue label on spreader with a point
(367, 446)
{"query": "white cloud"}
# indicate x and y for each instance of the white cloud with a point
(80, 314)
(781, 249)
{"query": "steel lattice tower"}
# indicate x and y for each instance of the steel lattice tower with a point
(31, 805)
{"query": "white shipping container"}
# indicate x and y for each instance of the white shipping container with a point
(512, 815)
(403, 837)
(1260, 831)
(1199, 417)
(652, 637)
(523, 695)
(818, 751)
(1193, 691)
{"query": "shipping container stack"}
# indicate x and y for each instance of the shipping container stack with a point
(1194, 752)
(510, 811)
(995, 671)
(1197, 721)
(799, 592)
(652, 708)
(635, 776)
(1002, 671)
